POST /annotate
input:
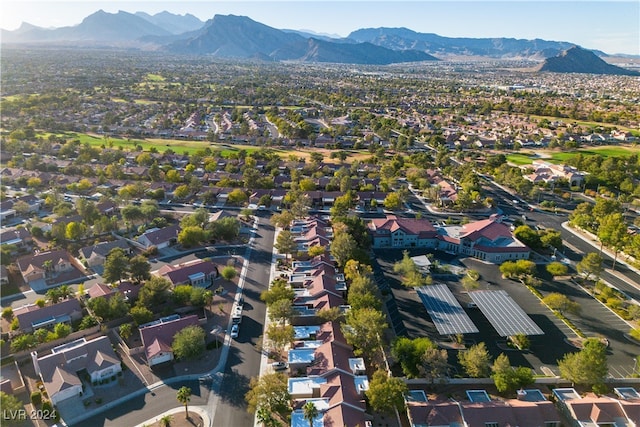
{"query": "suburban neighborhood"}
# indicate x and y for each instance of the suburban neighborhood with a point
(197, 242)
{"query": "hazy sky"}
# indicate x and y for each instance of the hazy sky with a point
(611, 26)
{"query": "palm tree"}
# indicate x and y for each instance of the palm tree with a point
(310, 412)
(166, 420)
(265, 417)
(47, 265)
(65, 291)
(184, 396)
(207, 296)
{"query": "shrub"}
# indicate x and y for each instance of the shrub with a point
(36, 398)
(229, 272)
(474, 274)
(7, 313)
(635, 334)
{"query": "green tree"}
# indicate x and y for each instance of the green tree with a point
(475, 361)
(385, 393)
(342, 248)
(100, 307)
(226, 229)
(269, 392)
(393, 202)
(362, 294)
(237, 197)
(310, 412)
(10, 404)
(315, 251)
(408, 352)
(551, 238)
(125, 330)
(528, 236)
(115, 266)
(154, 292)
(591, 264)
(141, 315)
(182, 294)
(282, 219)
(62, 330)
(434, 363)
(588, 366)
(561, 303)
(363, 330)
(75, 231)
(23, 342)
(281, 311)
(184, 397)
(557, 269)
(613, 233)
(508, 379)
(189, 343)
(286, 243)
(139, 268)
(191, 236)
(279, 289)
(229, 272)
(280, 336)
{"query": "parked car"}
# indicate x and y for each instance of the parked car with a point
(235, 329)
(278, 366)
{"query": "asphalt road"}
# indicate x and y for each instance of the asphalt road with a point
(244, 358)
(626, 280)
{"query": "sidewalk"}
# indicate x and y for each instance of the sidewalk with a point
(207, 420)
(591, 239)
(200, 410)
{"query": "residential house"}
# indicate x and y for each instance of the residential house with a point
(160, 237)
(101, 290)
(19, 237)
(592, 410)
(199, 273)
(44, 265)
(531, 409)
(96, 255)
(157, 337)
(550, 172)
(31, 317)
(62, 371)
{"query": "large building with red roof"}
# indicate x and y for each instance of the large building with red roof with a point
(488, 239)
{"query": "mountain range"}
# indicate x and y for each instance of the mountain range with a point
(230, 36)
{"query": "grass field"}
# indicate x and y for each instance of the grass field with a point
(191, 147)
(605, 151)
(527, 157)
(519, 159)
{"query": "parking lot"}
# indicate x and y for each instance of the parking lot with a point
(408, 317)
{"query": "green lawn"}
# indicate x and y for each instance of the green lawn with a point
(519, 159)
(155, 77)
(606, 151)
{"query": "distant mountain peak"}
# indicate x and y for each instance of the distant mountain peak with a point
(579, 60)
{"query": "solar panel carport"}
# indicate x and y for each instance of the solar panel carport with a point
(445, 311)
(504, 314)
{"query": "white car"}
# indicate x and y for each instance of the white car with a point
(235, 329)
(278, 366)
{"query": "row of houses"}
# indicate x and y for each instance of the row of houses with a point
(530, 409)
(322, 365)
(489, 239)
